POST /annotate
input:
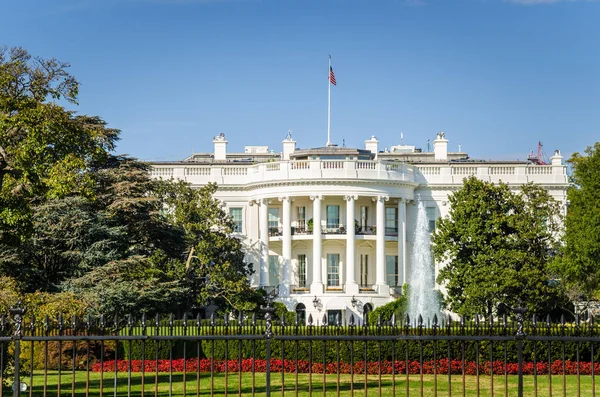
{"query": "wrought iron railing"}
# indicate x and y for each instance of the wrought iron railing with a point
(257, 355)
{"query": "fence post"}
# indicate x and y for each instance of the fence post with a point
(268, 335)
(17, 313)
(519, 336)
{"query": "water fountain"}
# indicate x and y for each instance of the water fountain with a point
(422, 298)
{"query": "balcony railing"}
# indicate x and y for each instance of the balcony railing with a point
(275, 231)
(301, 230)
(367, 230)
(341, 229)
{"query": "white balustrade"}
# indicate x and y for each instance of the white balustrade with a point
(365, 165)
(235, 171)
(464, 170)
(299, 165)
(273, 166)
(539, 170)
(502, 170)
(430, 170)
(332, 164)
(161, 171)
(359, 169)
(197, 171)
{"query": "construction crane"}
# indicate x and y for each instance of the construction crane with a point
(539, 157)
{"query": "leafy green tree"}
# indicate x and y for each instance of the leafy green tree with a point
(496, 245)
(215, 266)
(74, 217)
(46, 151)
(578, 265)
(69, 238)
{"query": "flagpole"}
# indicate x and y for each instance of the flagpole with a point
(329, 104)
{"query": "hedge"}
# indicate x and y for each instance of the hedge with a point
(319, 350)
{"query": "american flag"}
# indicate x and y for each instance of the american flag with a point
(331, 76)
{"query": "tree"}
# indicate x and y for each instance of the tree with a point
(497, 245)
(69, 237)
(578, 265)
(46, 151)
(215, 266)
(74, 217)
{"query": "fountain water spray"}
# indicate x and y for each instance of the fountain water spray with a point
(422, 298)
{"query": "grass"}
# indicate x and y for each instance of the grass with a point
(164, 385)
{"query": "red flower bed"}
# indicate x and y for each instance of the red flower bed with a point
(372, 368)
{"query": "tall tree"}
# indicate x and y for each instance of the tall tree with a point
(215, 266)
(496, 245)
(46, 151)
(578, 265)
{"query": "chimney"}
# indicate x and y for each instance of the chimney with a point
(220, 147)
(557, 159)
(440, 147)
(289, 146)
(371, 145)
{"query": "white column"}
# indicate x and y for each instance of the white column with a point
(263, 225)
(351, 285)
(286, 246)
(382, 286)
(316, 286)
(402, 241)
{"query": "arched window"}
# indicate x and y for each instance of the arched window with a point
(301, 313)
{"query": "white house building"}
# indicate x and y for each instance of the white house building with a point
(333, 227)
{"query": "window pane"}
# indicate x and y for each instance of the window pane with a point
(333, 270)
(302, 271)
(391, 267)
(236, 215)
(273, 270)
(432, 217)
(364, 270)
(273, 217)
(391, 220)
(333, 216)
(301, 217)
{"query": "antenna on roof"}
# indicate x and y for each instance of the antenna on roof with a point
(402, 138)
(343, 142)
(429, 145)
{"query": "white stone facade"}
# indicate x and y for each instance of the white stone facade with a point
(333, 227)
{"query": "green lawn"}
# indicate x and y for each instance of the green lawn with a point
(162, 386)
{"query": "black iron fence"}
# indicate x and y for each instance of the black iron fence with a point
(260, 355)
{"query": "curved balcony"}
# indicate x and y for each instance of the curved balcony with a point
(238, 174)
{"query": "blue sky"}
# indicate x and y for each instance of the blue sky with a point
(495, 75)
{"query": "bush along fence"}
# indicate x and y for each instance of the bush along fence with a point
(248, 355)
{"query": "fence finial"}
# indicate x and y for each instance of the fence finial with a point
(520, 317)
(17, 312)
(269, 309)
